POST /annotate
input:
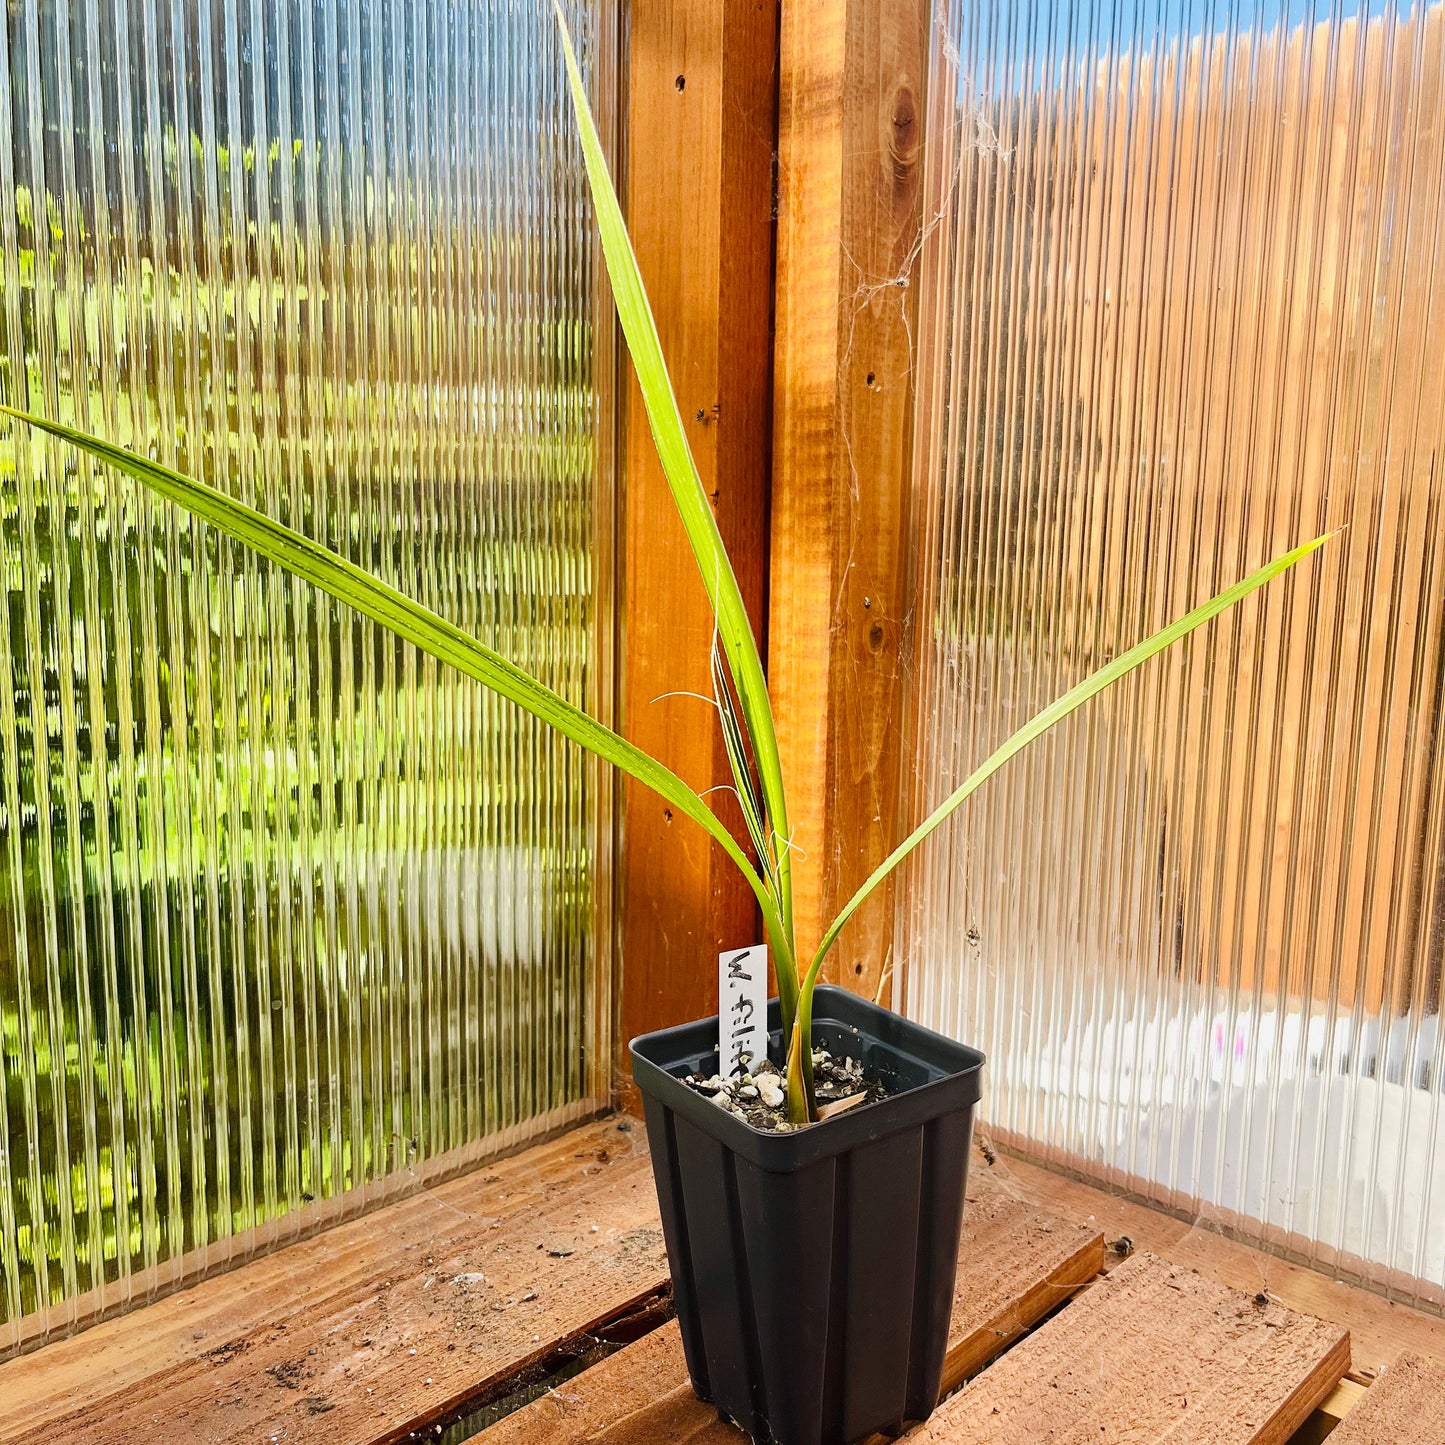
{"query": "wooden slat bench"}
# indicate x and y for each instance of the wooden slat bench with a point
(388, 1324)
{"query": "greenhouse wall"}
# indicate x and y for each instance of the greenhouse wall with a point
(290, 920)
(1182, 309)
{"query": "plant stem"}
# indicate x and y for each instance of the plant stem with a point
(786, 963)
(787, 993)
(803, 1042)
(802, 1106)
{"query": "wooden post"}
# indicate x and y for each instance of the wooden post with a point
(701, 110)
(851, 109)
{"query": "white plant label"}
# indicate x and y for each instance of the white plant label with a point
(742, 1013)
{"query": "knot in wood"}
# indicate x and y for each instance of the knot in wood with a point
(903, 130)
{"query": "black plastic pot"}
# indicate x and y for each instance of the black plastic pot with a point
(813, 1271)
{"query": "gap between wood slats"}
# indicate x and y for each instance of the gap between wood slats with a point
(1406, 1404)
(1333, 1408)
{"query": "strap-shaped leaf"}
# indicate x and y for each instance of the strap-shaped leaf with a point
(668, 433)
(400, 614)
(753, 809)
(1038, 725)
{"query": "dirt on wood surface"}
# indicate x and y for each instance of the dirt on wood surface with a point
(760, 1098)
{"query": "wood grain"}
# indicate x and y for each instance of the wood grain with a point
(373, 1328)
(1151, 1352)
(1407, 1403)
(1379, 1328)
(701, 116)
(1015, 1265)
(850, 145)
(1342, 1399)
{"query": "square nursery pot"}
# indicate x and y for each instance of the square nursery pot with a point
(813, 1270)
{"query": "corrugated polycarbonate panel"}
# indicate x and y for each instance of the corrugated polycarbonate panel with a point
(1183, 306)
(291, 918)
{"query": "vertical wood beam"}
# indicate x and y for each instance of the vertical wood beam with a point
(701, 110)
(851, 108)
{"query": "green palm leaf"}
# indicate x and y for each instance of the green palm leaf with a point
(1056, 711)
(755, 814)
(407, 618)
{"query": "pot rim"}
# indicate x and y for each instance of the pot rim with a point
(955, 1082)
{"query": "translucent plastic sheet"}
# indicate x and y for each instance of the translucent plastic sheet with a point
(289, 918)
(1182, 306)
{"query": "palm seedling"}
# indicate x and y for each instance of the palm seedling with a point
(739, 682)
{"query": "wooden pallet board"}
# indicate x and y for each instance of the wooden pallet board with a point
(1152, 1351)
(1016, 1264)
(1406, 1404)
(375, 1327)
